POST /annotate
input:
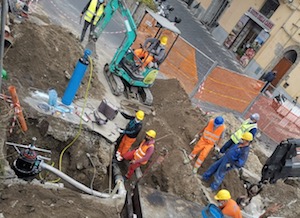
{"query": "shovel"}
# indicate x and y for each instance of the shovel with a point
(194, 140)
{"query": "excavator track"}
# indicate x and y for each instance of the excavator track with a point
(115, 83)
(146, 96)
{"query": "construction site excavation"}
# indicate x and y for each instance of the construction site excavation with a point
(100, 124)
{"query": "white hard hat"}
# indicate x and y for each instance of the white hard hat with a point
(255, 116)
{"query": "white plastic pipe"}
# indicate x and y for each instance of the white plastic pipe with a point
(82, 187)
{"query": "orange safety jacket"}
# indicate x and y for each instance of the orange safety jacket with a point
(211, 134)
(231, 209)
(141, 151)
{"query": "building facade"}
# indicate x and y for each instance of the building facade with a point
(263, 35)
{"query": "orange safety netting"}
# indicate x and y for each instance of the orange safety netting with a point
(228, 89)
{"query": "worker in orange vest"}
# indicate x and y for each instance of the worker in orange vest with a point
(141, 155)
(212, 135)
(129, 133)
(153, 51)
(228, 206)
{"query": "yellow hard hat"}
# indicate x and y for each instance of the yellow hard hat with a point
(140, 115)
(247, 136)
(164, 40)
(223, 195)
(151, 133)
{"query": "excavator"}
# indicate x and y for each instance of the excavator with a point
(123, 73)
(282, 164)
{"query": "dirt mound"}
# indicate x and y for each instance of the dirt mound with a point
(178, 121)
(24, 200)
(41, 57)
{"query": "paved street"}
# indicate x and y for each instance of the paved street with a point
(196, 34)
(67, 14)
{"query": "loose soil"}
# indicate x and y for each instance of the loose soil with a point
(39, 59)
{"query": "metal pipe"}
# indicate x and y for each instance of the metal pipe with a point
(80, 185)
(3, 19)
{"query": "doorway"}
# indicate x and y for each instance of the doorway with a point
(283, 66)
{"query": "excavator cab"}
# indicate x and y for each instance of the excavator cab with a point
(127, 73)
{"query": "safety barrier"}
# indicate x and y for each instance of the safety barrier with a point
(225, 88)
(273, 122)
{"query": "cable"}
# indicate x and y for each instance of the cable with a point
(80, 123)
(94, 173)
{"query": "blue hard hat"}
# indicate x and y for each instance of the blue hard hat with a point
(218, 121)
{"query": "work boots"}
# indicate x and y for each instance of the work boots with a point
(186, 160)
(195, 170)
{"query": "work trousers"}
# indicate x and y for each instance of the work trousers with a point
(219, 170)
(125, 144)
(144, 56)
(226, 146)
(85, 27)
(202, 147)
(130, 156)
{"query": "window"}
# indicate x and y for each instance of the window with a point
(269, 8)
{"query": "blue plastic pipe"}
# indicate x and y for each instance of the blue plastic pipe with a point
(76, 78)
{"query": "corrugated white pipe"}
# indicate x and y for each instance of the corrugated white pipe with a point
(83, 187)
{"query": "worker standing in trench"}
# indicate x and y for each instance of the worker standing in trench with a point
(141, 155)
(249, 125)
(129, 133)
(212, 135)
(93, 11)
(235, 157)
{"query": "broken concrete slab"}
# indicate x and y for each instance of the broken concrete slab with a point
(154, 203)
(73, 113)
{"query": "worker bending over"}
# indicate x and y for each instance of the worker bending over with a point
(129, 133)
(141, 155)
(212, 135)
(93, 11)
(228, 206)
(153, 51)
(249, 125)
(235, 157)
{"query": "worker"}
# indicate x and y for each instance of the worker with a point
(129, 133)
(268, 78)
(141, 155)
(93, 11)
(212, 135)
(153, 51)
(228, 206)
(235, 157)
(249, 125)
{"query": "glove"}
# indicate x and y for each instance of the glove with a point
(132, 162)
(196, 136)
(217, 149)
(228, 165)
(120, 130)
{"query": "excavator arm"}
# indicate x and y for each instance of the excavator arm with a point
(283, 163)
(111, 8)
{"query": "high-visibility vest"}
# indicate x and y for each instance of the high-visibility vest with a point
(141, 151)
(91, 12)
(245, 127)
(211, 134)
